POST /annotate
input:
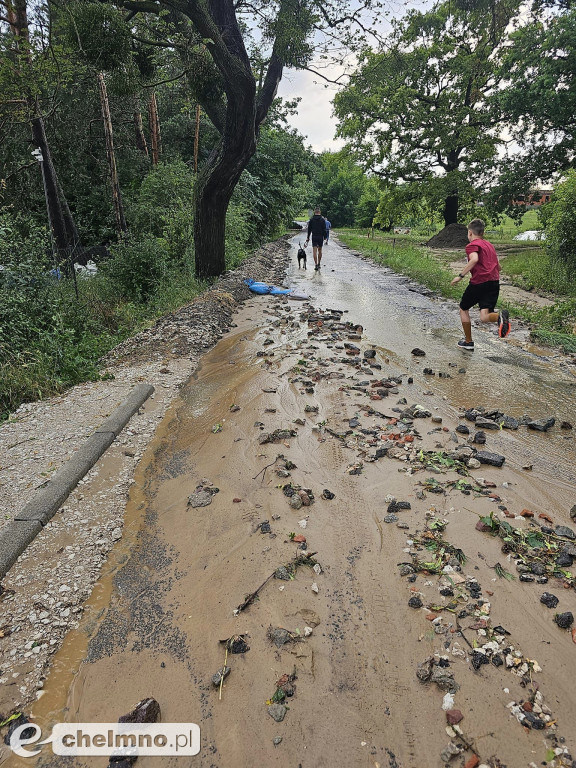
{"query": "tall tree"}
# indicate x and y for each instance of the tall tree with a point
(539, 102)
(19, 68)
(418, 111)
(215, 37)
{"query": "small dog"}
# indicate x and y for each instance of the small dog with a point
(301, 256)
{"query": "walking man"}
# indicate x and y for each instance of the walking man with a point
(317, 230)
(328, 228)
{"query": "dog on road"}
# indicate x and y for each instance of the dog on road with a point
(301, 256)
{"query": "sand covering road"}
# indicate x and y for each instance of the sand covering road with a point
(360, 697)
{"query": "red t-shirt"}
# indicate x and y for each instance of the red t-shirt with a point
(487, 267)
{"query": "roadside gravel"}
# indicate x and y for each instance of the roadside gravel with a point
(42, 597)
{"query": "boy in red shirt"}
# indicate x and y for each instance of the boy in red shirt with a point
(484, 285)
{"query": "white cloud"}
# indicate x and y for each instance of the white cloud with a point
(315, 118)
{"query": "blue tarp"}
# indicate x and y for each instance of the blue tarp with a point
(262, 288)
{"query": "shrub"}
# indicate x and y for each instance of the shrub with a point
(163, 207)
(559, 224)
(137, 267)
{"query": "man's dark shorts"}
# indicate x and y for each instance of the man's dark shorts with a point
(317, 242)
(483, 294)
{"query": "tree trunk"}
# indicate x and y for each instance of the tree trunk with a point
(154, 129)
(57, 223)
(121, 227)
(450, 212)
(196, 138)
(217, 180)
(61, 221)
(139, 130)
(213, 191)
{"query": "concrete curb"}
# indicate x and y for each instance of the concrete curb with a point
(20, 532)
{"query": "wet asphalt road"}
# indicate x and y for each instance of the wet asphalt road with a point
(499, 374)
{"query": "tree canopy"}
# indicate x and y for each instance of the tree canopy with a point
(421, 110)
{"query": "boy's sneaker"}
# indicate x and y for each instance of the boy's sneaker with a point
(503, 324)
(316, 267)
(469, 345)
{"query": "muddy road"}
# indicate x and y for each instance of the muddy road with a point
(154, 623)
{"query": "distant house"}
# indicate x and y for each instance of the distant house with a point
(534, 199)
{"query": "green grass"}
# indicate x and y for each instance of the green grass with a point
(566, 341)
(82, 331)
(508, 228)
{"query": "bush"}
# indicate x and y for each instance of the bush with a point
(559, 225)
(137, 267)
(164, 207)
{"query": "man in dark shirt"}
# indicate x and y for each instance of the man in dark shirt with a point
(317, 230)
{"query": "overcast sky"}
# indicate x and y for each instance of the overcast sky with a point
(314, 119)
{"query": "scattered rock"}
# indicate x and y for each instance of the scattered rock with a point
(549, 600)
(146, 711)
(328, 495)
(277, 741)
(483, 423)
(415, 602)
(369, 354)
(279, 636)
(277, 712)
(451, 750)
(295, 501)
(463, 429)
(565, 532)
(541, 425)
(565, 425)
(454, 716)
(282, 573)
(492, 459)
(417, 352)
(564, 620)
(200, 498)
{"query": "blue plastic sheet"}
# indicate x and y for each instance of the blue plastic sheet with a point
(263, 288)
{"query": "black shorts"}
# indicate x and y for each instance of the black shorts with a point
(483, 294)
(317, 241)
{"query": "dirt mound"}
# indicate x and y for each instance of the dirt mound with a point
(452, 236)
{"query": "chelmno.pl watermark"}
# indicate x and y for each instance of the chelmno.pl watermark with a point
(109, 739)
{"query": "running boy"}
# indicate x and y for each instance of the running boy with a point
(317, 229)
(484, 286)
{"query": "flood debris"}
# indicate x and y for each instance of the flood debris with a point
(539, 553)
(277, 436)
(433, 670)
(549, 600)
(14, 721)
(236, 644)
(564, 620)
(283, 573)
(202, 496)
(146, 711)
(219, 676)
(280, 636)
